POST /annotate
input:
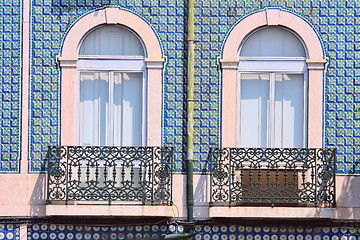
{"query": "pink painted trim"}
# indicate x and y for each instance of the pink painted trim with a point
(230, 61)
(272, 17)
(69, 57)
(111, 16)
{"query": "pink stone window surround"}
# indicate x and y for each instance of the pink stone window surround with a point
(69, 60)
(230, 63)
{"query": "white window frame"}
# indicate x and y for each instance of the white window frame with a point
(272, 65)
(231, 64)
(112, 64)
(270, 133)
(109, 69)
(70, 62)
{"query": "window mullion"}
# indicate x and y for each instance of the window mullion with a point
(238, 109)
(122, 125)
(144, 110)
(305, 109)
(110, 115)
(80, 106)
(271, 115)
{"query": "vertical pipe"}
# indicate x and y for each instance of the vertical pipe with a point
(190, 110)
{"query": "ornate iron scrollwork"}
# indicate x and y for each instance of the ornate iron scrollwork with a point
(127, 174)
(261, 176)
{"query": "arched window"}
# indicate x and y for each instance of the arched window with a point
(112, 88)
(272, 90)
(111, 72)
(272, 80)
(111, 41)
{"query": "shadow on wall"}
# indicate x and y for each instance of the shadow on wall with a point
(38, 196)
(201, 196)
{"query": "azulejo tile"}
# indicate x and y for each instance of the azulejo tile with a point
(214, 20)
(215, 232)
(10, 82)
(9, 231)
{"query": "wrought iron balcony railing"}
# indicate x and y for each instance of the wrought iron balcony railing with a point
(128, 174)
(281, 177)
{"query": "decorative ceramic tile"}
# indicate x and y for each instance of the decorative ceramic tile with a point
(215, 232)
(167, 19)
(336, 22)
(43, 231)
(9, 231)
(10, 85)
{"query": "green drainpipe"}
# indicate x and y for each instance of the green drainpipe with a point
(190, 111)
(190, 126)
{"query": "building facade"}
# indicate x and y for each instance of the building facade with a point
(94, 119)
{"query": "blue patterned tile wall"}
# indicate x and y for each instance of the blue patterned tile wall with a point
(337, 23)
(51, 20)
(273, 232)
(207, 232)
(10, 84)
(43, 231)
(9, 231)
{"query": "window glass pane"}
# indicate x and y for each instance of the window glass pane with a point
(128, 109)
(112, 40)
(94, 101)
(273, 42)
(254, 98)
(289, 110)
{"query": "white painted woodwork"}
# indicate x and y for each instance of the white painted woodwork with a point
(272, 65)
(113, 64)
(112, 88)
(272, 90)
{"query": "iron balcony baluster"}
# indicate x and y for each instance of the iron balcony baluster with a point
(272, 176)
(141, 175)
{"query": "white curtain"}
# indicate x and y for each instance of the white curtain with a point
(112, 40)
(273, 42)
(272, 110)
(254, 109)
(289, 110)
(94, 101)
(111, 109)
(127, 109)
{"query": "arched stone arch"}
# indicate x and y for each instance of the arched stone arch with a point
(230, 62)
(69, 57)
(111, 15)
(273, 17)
